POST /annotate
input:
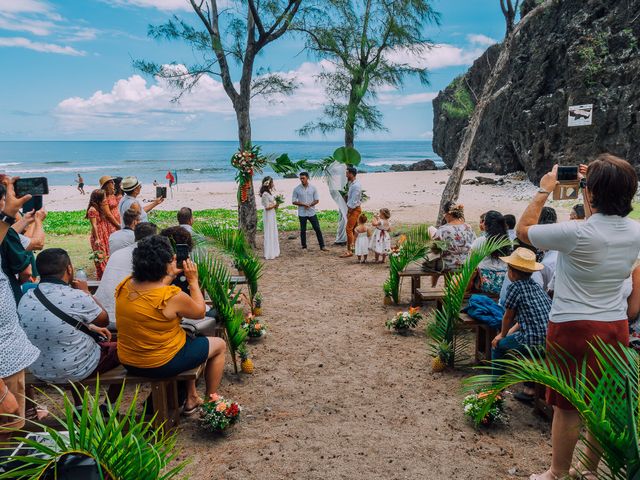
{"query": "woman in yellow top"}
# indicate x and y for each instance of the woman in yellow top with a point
(149, 310)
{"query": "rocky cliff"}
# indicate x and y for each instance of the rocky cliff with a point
(574, 52)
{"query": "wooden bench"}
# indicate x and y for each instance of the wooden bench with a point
(484, 336)
(415, 272)
(430, 294)
(164, 392)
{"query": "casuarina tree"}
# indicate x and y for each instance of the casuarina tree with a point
(370, 44)
(228, 32)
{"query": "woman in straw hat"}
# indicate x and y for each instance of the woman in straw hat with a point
(111, 212)
(594, 259)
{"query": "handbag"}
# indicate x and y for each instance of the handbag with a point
(207, 327)
(78, 325)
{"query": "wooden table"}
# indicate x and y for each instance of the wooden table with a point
(415, 272)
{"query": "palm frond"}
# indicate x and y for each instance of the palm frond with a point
(443, 327)
(412, 249)
(608, 405)
(123, 445)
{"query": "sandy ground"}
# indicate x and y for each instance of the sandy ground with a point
(337, 396)
(412, 197)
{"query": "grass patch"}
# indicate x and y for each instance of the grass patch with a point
(75, 223)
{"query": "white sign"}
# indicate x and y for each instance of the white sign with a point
(580, 115)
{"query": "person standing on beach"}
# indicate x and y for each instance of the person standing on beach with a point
(305, 197)
(354, 202)
(131, 188)
(80, 182)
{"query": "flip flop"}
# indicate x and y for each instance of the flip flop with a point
(346, 255)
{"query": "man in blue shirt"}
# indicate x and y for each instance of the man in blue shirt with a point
(305, 197)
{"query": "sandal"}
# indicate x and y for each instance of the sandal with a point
(346, 255)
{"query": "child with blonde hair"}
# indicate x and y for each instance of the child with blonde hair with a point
(362, 239)
(381, 240)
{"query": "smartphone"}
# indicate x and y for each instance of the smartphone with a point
(31, 186)
(34, 204)
(161, 192)
(567, 174)
(182, 253)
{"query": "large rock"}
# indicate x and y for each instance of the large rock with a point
(422, 165)
(574, 52)
(398, 167)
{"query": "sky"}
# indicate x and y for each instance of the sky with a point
(68, 75)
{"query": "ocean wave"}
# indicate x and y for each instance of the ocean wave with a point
(80, 169)
(57, 162)
(9, 164)
(202, 170)
(384, 163)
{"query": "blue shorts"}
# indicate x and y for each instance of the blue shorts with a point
(194, 353)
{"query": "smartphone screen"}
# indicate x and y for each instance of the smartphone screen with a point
(567, 173)
(161, 192)
(182, 253)
(31, 186)
(34, 204)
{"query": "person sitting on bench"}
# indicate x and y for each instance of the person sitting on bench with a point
(526, 316)
(65, 322)
(151, 342)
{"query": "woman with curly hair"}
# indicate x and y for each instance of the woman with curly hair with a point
(151, 342)
(100, 230)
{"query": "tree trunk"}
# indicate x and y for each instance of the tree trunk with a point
(452, 188)
(350, 121)
(247, 213)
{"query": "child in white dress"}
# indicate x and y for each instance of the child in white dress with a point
(362, 239)
(381, 240)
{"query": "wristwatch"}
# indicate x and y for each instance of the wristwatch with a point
(542, 190)
(8, 219)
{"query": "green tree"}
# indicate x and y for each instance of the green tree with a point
(228, 33)
(365, 41)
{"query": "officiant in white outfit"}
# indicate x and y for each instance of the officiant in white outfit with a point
(271, 242)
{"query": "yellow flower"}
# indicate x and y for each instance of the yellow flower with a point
(221, 407)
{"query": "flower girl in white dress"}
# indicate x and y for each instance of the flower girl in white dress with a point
(381, 240)
(271, 243)
(362, 239)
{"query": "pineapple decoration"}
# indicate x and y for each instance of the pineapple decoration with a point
(441, 360)
(246, 364)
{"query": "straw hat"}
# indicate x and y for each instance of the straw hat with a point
(129, 184)
(104, 179)
(524, 260)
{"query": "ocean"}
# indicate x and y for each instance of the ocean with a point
(193, 161)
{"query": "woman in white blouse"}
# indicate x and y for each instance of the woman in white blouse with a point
(271, 243)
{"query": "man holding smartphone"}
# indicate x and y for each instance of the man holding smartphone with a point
(131, 188)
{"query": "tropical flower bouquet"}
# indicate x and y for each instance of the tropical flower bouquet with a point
(247, 161)
(279, 199)
(474, 403)
(219, 413)
(253, 326)
(97, 256)
(405, 320)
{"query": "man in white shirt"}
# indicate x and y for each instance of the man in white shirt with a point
(354, 201)
(131, 188)
(305, 197)
(125, 236)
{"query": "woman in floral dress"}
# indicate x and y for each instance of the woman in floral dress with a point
(100, 230)
(110, 210)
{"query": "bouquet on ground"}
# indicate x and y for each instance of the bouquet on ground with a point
(254, 327)
(279, 199)
(405, 320)
(474, 403)
(219, 413)
(247, 161)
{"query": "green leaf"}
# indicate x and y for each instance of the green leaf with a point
(347, 155)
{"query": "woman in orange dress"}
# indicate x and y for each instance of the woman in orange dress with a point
(110, 210)
(100, 230)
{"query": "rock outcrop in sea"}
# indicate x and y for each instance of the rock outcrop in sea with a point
(576, 52)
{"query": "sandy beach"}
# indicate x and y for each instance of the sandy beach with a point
(412, 197)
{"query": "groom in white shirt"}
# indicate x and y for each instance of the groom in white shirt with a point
(305, 197)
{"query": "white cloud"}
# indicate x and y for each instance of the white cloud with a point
(441, 55)
(404, 100)
(428, 135)
(24, 6)
(480, 39)
(159, 4)
(35, 27)
(21, 42)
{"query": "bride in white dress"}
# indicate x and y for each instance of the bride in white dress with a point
(271, 243)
